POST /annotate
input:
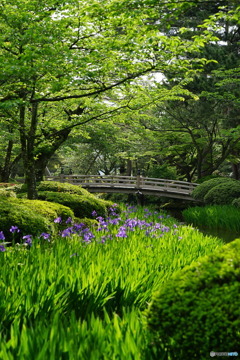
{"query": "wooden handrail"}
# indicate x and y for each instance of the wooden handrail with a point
(135, 182)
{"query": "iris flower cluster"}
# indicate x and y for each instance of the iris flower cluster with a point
(110, 228)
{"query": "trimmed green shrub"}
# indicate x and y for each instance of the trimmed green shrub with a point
(201, 190)
(223, 193)
(14, 213)
(48, 209)
(236, 202)
(197, 311)
(55, 186)
(208, 177)
(82, 206)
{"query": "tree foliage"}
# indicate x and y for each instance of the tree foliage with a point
(66, 63)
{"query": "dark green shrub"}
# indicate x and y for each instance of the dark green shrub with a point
(223, 193)
(201, 190)
(82, 206)
(13, 213)
(208, 177)
(236, 202)
(197, 311)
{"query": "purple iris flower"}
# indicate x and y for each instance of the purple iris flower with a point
(58, 220)
(67, 232)
(78, 227)
(88, 235)
(2, 248)
(2, 237)
(14, 229)
(94, 213)
(114, 221)
(28, 240)
(69, 220)
(45, 236)
(122, 232)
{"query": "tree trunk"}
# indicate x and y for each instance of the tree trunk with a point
(46, 153)
(30, 180)
(129, 167)
(27, 146)
(5, 171)
(236, 171)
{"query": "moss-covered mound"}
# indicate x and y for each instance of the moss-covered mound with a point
(201, 190)
(198, 311)
(223, 193)
(82, 206)
(55, 186)
(48, 209)
(14, 213)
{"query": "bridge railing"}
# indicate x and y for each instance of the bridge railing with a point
(118, 181)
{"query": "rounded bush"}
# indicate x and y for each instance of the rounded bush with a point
(201, 190)
(14, 213)
(207, 177)
(223, 193)
(48, 209)
(197, 311)
(236, 202)
(55, 186)
(82, 206)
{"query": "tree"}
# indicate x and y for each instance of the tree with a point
(60, 62)
(204, 133)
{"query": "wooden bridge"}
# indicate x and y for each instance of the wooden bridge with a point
(130, 185)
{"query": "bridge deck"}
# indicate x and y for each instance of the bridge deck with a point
(130, 184)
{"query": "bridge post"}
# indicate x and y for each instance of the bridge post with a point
(61, 175)
(140, 198)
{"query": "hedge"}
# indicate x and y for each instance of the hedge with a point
(48, 209)
(223, 194)
(55, 186)
(15, 213)
(197, 311)
(82, 206)
(236, 202)
(201, 190)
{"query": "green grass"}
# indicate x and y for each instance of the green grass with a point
(225, 217)
(57, 299)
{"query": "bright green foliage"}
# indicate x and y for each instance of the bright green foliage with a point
(225, 217)
(94, 338)
(57, 301)
(198, 310)
(29, 222)
(48, 209)
(201, 190)
(7, 193)
(223, 193)
(62, 187)
(61, 60)
(82, 206)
